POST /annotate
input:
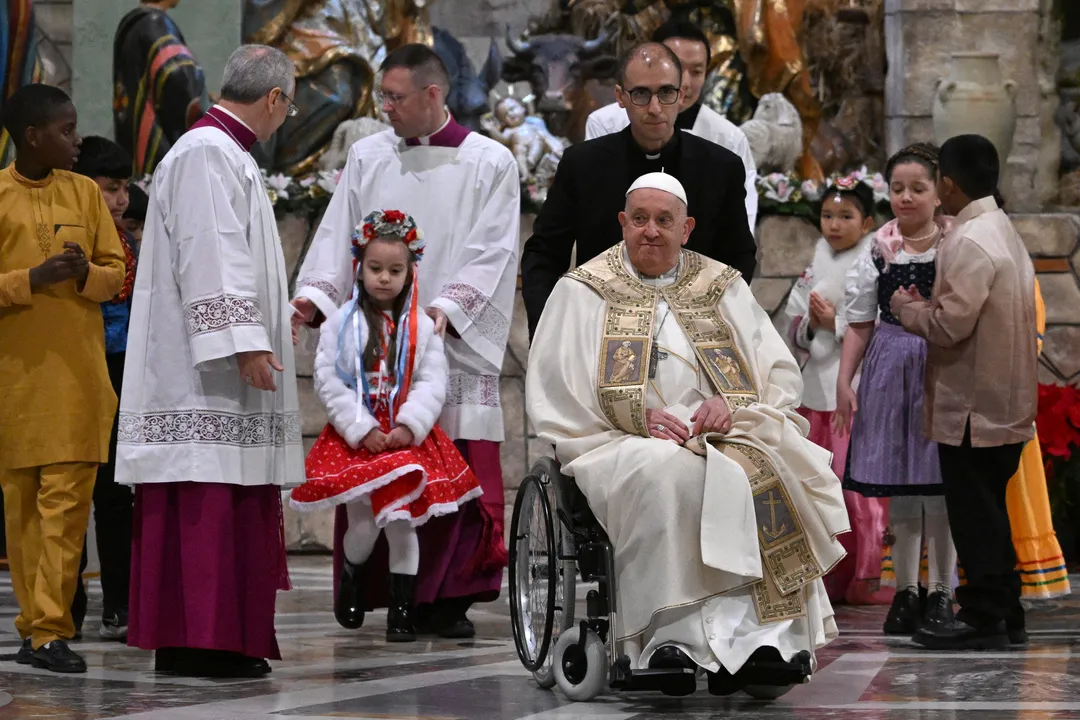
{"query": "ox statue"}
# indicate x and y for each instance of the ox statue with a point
(569, 77)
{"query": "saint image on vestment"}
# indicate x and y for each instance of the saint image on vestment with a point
(622, 365)
(730, 374)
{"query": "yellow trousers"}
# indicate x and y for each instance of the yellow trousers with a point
(46, 511)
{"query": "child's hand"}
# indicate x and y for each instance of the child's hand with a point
(375, 441)
(847, 405)
(822, 313)
(399, 437)
(57, 269)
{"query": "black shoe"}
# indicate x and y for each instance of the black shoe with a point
(219, 664)
(939, 611)
(1016, 627)
(399, 616)
(903, 617)
(58, 657)
(723, 683)
(958, 635)
(26, 653)
(349, 603)
(461, 628)
(166, 658)
(669, 657)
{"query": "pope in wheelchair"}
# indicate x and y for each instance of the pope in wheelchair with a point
(671, 401)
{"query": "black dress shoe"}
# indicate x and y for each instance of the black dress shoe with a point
(903, 617)
(723, 683)
(26, 652)
(349, 603)
(399, 616)
(219, 664)
(1016, 627)
(57, 657)
(669, 657)
(460, 628)
(939, 611)
(958, 635)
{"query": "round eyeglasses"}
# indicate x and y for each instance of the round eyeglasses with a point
(642, 96)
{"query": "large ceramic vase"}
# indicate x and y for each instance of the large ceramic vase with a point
(974, 99)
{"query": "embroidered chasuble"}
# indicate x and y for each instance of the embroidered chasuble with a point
(749, 518)
(54, 386)
(212, 283)
(462, 188)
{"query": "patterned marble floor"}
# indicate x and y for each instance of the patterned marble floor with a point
(333, 673)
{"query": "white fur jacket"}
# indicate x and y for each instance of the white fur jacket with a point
(349, 416)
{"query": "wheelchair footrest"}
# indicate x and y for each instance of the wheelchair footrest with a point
(649, 680)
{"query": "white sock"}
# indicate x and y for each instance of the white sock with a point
(905, 519)
(941, 553)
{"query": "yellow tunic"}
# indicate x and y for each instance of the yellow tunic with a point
(58, 404)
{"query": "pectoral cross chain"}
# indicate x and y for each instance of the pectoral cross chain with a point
(655, 356)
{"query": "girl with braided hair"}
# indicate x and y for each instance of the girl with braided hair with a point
(889, 455)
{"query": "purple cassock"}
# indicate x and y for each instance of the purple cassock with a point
(207, 559)
(462, 555)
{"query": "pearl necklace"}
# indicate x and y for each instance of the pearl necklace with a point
(921, 238)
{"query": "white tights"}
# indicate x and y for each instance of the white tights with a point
(362, 533)
(912, 519)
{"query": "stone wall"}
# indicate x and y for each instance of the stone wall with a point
(920, 35)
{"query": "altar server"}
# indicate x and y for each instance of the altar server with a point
(463, 189)
(209, 419)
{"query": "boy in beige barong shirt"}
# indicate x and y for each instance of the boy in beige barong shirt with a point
(981, 387)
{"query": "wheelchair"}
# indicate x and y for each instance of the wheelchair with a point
(554, 536)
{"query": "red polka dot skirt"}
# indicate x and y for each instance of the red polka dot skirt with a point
(414, 483)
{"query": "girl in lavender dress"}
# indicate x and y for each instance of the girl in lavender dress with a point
(889, 454)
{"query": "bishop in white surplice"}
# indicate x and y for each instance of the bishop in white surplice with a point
(720, 539)
(209, 413)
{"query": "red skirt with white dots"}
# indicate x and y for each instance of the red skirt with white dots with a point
(415, 483)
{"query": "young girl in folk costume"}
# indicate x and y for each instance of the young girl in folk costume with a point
(817, 324)
(381, 373)
(889, 454)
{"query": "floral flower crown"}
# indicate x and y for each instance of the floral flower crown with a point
(388, 223)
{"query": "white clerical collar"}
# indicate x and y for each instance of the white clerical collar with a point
(661, 281)
(426, 139)
(234, 117)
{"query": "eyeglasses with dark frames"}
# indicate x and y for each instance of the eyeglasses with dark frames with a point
(642, 96)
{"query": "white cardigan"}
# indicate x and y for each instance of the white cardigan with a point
(349, 416)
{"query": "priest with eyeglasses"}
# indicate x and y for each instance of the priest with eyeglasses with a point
(589, 190)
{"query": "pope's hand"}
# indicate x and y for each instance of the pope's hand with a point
(440, 319)
(305, 313)
(665, 426)
(375, 441)
(714, 415)
(256, 369)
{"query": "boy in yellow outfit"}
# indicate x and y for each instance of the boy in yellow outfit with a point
(60, 257)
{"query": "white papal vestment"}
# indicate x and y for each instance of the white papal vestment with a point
(683, 525)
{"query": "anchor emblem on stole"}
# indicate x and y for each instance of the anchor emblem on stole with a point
(775, 532)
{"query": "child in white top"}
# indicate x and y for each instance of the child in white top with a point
(816, 322)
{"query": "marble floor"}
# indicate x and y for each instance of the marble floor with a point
(329, 672)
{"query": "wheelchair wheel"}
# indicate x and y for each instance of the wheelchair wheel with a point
(767, 692)
(532, 573)
(580, 672)
(565, 580)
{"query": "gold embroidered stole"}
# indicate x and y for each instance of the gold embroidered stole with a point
(622, 381)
